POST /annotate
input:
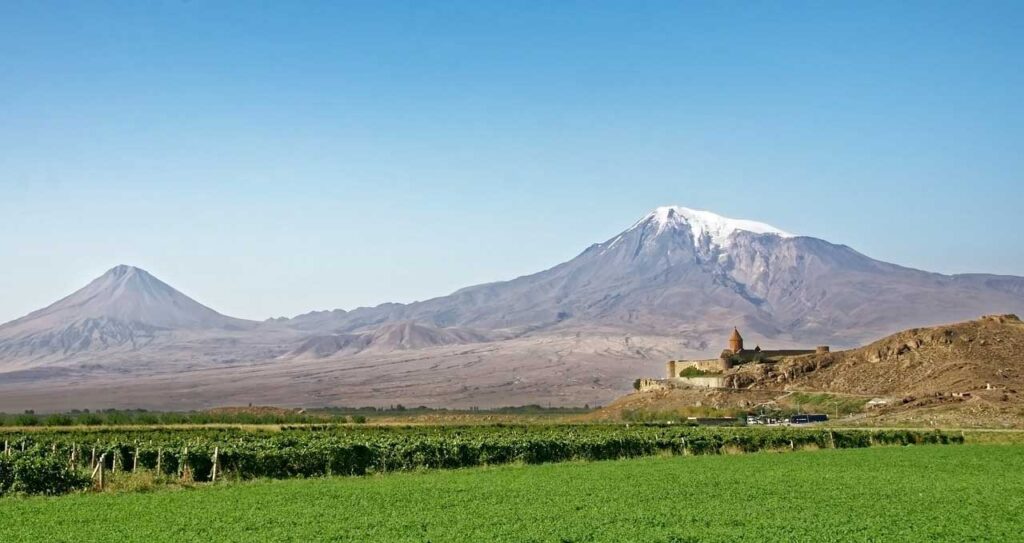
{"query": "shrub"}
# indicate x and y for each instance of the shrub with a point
(147, 418)
(117, 417)
(33, 474)
(90, 419)
(695, 372)
(6, 474)
(58, 420)
(27, 419)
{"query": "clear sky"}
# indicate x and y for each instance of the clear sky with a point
(272, 158)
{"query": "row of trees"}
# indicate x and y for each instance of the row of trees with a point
(111, 417)
(142, 417)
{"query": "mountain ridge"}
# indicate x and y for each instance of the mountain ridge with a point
(671, 285)
(396, 336)
(747, 273)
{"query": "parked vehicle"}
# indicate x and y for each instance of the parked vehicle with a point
(808, 418)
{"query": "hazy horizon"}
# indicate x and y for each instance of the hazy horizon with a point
(318, 156)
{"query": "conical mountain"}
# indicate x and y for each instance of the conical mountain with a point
(124, 305)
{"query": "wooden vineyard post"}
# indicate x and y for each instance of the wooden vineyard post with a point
(113, 463)
(92, 459)
(135, 460)
(216, 465)
(7, 448)
(832, 439)
(186, 473)
(159, 458)
(98, 471)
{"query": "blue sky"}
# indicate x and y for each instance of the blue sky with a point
(274, 158)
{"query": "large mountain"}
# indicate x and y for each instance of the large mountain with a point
(690, 272)
(126, 306)
(669, 286)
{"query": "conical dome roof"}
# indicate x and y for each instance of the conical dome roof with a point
(735, 341)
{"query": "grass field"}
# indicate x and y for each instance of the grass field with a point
(917, 493)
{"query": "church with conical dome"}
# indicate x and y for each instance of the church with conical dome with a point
(735, 354)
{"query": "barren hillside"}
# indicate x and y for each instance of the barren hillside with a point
(969, 374)
(983, 354)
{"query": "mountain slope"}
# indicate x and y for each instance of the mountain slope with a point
(386, 338)
(126, 306)
(670, 286)
(689, 272)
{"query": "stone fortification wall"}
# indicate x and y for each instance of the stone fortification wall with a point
(750, 356)
(648, 385)
(702, 382)
(675, 366)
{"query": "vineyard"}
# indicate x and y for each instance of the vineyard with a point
(906, 494)
(54, 462)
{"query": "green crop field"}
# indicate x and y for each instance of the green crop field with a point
(912, 493)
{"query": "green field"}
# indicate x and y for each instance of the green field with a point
(914, 493)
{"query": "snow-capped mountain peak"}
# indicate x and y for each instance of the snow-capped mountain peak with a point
(704, 224)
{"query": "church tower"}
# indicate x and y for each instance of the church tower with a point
(735, 341)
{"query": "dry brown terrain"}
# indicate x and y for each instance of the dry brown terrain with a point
(562, 370)
(984, 354)
(683, 400)
(969, 374)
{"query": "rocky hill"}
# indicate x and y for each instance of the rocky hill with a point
(972, 356)
(968, 374)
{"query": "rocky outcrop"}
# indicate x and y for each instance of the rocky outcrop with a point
(985, 354)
